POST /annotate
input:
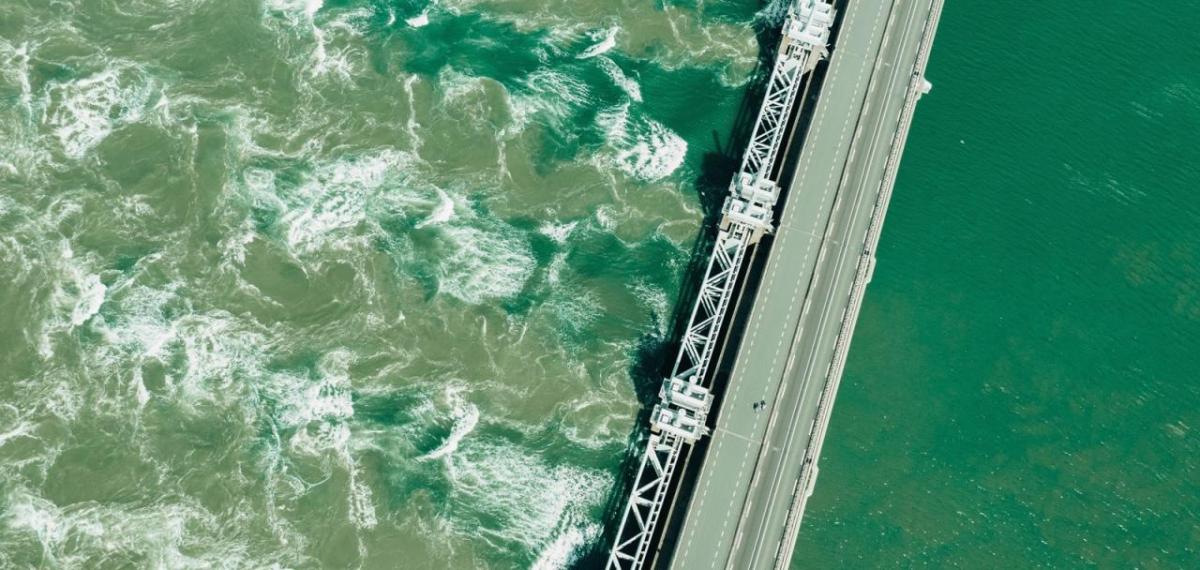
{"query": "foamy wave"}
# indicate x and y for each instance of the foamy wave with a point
(91, 296)
(546, 94)
(575, 310)
(559, 232)
(316, 415)
(336, 63)
(627, 84)
(85, 111)
(298, 8)
(454, 84)
(216, 359)
(465, 416)
(566, 547)
(331, 200)
(485, 263)
(657, 301)
(604, 217)
(641, 147)
(607, 41)
(360, 503)
(411, 124)
(520, 501)
(419, 21)
(557, 264)
(76, 295)
(21, 151)
(333, 52)
(14, 68)
(179, 534)
(205, 355)
(443, 212)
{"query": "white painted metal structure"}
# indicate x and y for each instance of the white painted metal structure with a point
(684, 400)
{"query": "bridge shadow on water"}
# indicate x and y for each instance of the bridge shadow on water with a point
(656, 355)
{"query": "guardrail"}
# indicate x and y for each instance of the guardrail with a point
(807, 479)
(680, 416)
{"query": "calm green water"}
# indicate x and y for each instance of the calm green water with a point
(354, 283)
(1024, 386)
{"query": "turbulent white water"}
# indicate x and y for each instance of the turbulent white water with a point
(315, 284)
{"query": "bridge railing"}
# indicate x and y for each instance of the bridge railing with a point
(681, 414)
(808, 474)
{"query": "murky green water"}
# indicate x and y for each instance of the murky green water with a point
(344, 283)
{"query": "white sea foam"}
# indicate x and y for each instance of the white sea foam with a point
(140, 392)
(317, 414)
(316, 409)
(22, 153)
(411, 124)
(465, 416)
(331, 55)
(138, 325)
(76, 294)
(604, 217)
(566, 547)
(233, 245)
(443, 213)
(641, 147)
(324, 62)
(548, 95)
(91, 296)
(206, 355)
(575, 310)
(455, 84)
(627, 84)
(360, 503)
(177, 534)
(14, 66)
(299, 9)
(559, 232)
(774, 12)
(333, 199)
(419, 21)
(607, 41)
(656, 300)
(85, 111)
(554, 270)
(311, 7)
(521, 502)
(22, 429)
(491, 263)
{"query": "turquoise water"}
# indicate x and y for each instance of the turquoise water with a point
(1023, 389)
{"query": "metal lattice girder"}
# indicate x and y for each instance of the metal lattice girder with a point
(805, 33)
(769, 128)
(683, 404)
(645, 502)
(708, 313)
(662, 450)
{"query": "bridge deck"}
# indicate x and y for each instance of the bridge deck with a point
(747, 486)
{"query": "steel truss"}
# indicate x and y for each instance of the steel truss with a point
(684, 400)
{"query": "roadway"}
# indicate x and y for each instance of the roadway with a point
(751, 488)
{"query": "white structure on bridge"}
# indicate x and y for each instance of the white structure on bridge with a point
(680, 415)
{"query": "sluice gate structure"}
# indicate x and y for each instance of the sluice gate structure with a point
(748, 468)
(679, 417)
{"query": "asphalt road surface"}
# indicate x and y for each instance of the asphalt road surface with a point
(738, 515)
